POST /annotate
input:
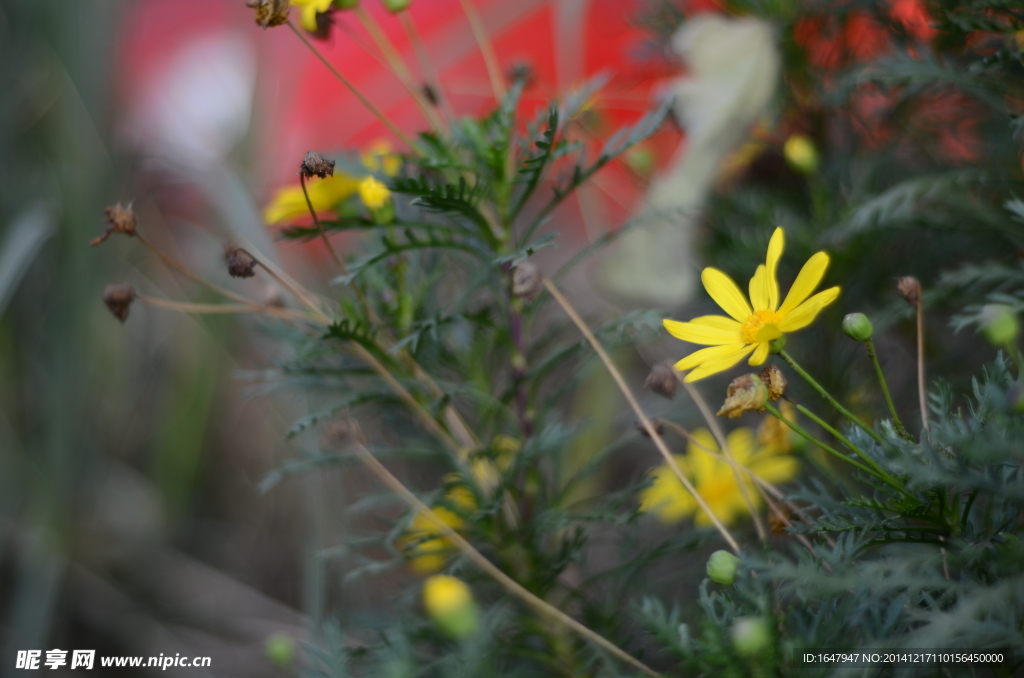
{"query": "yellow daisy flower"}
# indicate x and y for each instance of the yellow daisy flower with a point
(325, 194)
(423, 544)
(379, 158)
(374, 193)
(310, 8)
(714, 479)
(753, 324)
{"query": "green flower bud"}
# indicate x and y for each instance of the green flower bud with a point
(776, 345)
(722, 567)
(750, 635)
(280, 649)
(801, 154)
(857, 327)
(999, 324)
(396, 6)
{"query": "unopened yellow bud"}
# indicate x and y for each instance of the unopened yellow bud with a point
(373, 193)
(801, 154)
(449, 602)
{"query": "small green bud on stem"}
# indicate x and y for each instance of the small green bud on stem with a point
(857, 327)
(722, 567)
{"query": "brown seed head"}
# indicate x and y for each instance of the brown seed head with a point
(270, 13)
(775, 381)
(662, 380)
(430, 94)
(910, 288)
(240, 264)
(745, 394)
(120, 219)
(526, 281)
(119, 297)
(316, 165)
(522, 71)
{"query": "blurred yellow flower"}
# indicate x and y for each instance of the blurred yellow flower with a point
(423, 544)
(325, 194)
(714, 479)
(753, 325)
(379, 158)
(310, 8)
(773, 433)
(449, 602)
(374, 194)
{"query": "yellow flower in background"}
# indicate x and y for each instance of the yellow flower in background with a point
(423, 544)
(714, 479)
(379, 158)
(374, 193)
(753, 324)
(325, 194)
(310, 8)
(449, 602)
(773, 433)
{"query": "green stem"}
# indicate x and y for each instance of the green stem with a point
(870, 346)
(803, 433)
(828, 398)
(843, 439)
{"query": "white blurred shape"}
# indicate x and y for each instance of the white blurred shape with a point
(197, 106)
(733, 69)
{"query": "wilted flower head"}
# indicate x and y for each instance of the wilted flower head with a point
(240, 264)
(270, 12)
(526, 281)
(745, 394)
(316, 165)
(119, 297)
(775, 381)
(119, 219)
(909, 288)
(662, 380)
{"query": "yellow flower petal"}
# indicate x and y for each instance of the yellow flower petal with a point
(696, 333)
(776, 468)
(741, 444)
(759, 288)
(325, 194)
(666, 497)
(719, 364)
(704, 441)
(309, 18)
(775, 247)
(760, 353)
(705, 354)
(717, 321)
(725, 293)
(808, 278)
(804, 314)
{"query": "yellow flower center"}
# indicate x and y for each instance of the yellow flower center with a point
(761, 326)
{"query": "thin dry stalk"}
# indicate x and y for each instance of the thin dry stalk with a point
(644, 420)
(483, 40)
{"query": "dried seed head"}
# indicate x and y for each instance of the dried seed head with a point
(658, 428)
(430, 94)
(526, 281)
(270, 13)
(316, 165)
(910, 288)
(778, 523)
(120, 219)
(745, 393)
(240, 264)
(118, 298)
(775, 381)
(662, 380)
(522, 71)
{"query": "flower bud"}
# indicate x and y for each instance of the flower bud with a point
(662, 380)
(750, 635)
(396, 6)
(316, 165)
(280, 649)
(118, 298)
(449, 602)
(119, 219)
(744, 394)
(857, 326)
(526, 281)
(999, 324)
(270, 12)
(722, 567)
(775, 381)
(909, 288)
(800, 154)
